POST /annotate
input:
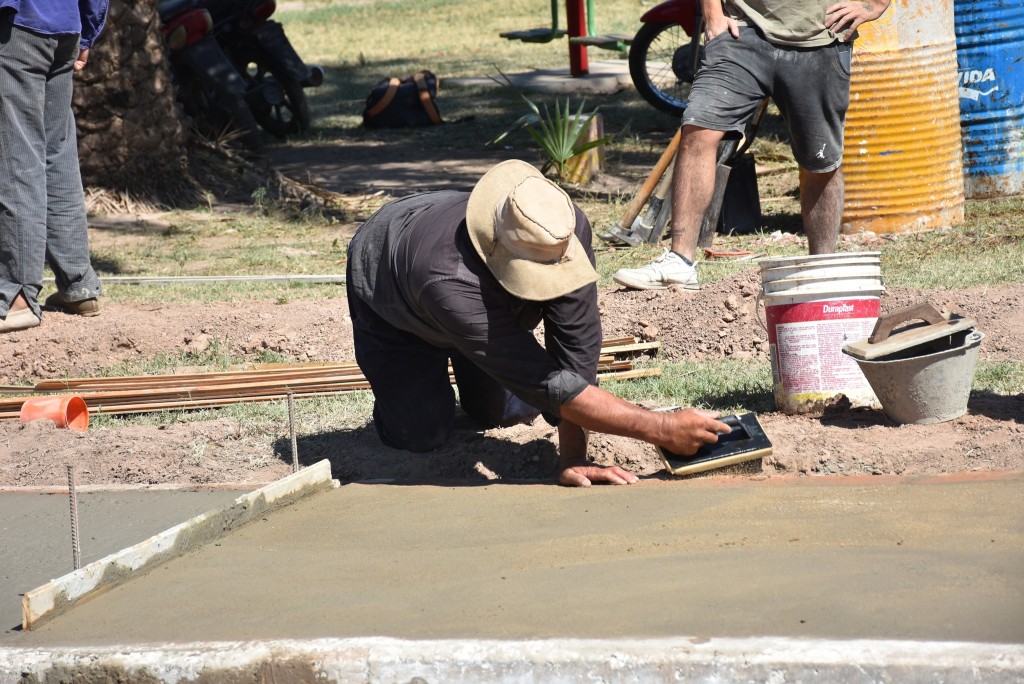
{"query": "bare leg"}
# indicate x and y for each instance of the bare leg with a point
(821, 205)
(693, 186)
(19, 302)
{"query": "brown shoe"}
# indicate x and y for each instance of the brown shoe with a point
(83, 307)
(22, 319)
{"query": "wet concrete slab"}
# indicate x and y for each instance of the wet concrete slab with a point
(35, 532)
(942, 560)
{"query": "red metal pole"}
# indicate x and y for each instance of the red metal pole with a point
(576, 17)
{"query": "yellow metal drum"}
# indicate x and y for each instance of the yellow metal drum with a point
(902, 157)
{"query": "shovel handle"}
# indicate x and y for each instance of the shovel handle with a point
(644, 193)
(920, 311)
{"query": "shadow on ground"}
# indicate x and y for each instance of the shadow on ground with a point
(469, 456)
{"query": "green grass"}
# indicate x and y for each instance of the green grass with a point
(215, 356)
(988, 249)
(451, 37)
(209, 293)
(266, 419)
(722, 385)
(243, 242)
(1000, 377)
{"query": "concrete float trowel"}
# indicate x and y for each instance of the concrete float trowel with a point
(746, 442)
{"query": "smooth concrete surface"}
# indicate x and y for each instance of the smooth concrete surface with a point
(941, 560)
(35, 532)
(63, 593)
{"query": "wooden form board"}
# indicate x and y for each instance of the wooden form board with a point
(57, 596)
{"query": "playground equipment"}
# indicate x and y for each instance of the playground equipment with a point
(581, 33)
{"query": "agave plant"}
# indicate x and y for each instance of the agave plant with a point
(559, 133)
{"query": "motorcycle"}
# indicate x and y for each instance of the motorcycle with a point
(207, 85)
(665, 53)
(275, 75)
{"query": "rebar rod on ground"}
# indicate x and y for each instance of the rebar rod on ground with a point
(266, 382)
(76, 549)
(291, 430)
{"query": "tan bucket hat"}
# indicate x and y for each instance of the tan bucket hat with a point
(523, 227)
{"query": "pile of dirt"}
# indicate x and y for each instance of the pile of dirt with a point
(726, 320)
(720, 321)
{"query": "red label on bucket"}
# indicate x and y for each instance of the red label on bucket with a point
(823, 310)
(806, 341)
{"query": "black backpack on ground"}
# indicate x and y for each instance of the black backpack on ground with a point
(403, 103)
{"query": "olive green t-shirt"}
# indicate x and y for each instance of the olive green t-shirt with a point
(786, 22)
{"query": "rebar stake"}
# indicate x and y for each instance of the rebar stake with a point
(76, 550)
(291, 428)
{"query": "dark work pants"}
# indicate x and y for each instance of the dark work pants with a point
(42, 206)
(414, 403)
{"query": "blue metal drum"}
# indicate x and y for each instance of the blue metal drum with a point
(990, 60)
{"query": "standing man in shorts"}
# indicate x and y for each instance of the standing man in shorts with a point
(798, 53)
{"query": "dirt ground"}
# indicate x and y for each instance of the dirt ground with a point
(718, 321)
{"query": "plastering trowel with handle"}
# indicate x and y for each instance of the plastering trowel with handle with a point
(746, 442)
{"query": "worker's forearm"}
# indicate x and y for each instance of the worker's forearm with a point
(596, 409)
(713, 10)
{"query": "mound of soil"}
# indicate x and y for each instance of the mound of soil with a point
(720, 321)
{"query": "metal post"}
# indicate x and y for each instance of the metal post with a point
(291, 428)
(576, 16)
(76, 550)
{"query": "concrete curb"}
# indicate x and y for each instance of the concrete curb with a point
(58, 595)
(378, 659)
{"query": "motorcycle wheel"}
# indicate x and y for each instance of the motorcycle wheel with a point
(216, 112)
(662, 61)
(289, 116)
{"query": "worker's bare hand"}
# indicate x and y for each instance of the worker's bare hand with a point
(83, 59)
(718, 26)
(584, 474)
(690, 429)
(847, 16)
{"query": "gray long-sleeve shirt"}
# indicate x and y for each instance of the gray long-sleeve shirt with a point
(413, 263)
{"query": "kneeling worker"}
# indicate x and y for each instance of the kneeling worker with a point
(467, 277)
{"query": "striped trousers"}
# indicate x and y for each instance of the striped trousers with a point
(42, 205)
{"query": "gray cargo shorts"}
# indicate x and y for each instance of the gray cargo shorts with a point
(810, 86)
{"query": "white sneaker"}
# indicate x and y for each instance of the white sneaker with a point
(668, 269)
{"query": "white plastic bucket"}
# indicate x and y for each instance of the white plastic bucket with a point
(844, 268)
(834, 259)
(808, 320)
(821, 285)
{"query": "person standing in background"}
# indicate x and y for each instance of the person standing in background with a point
(42, 203)
(798, 52)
